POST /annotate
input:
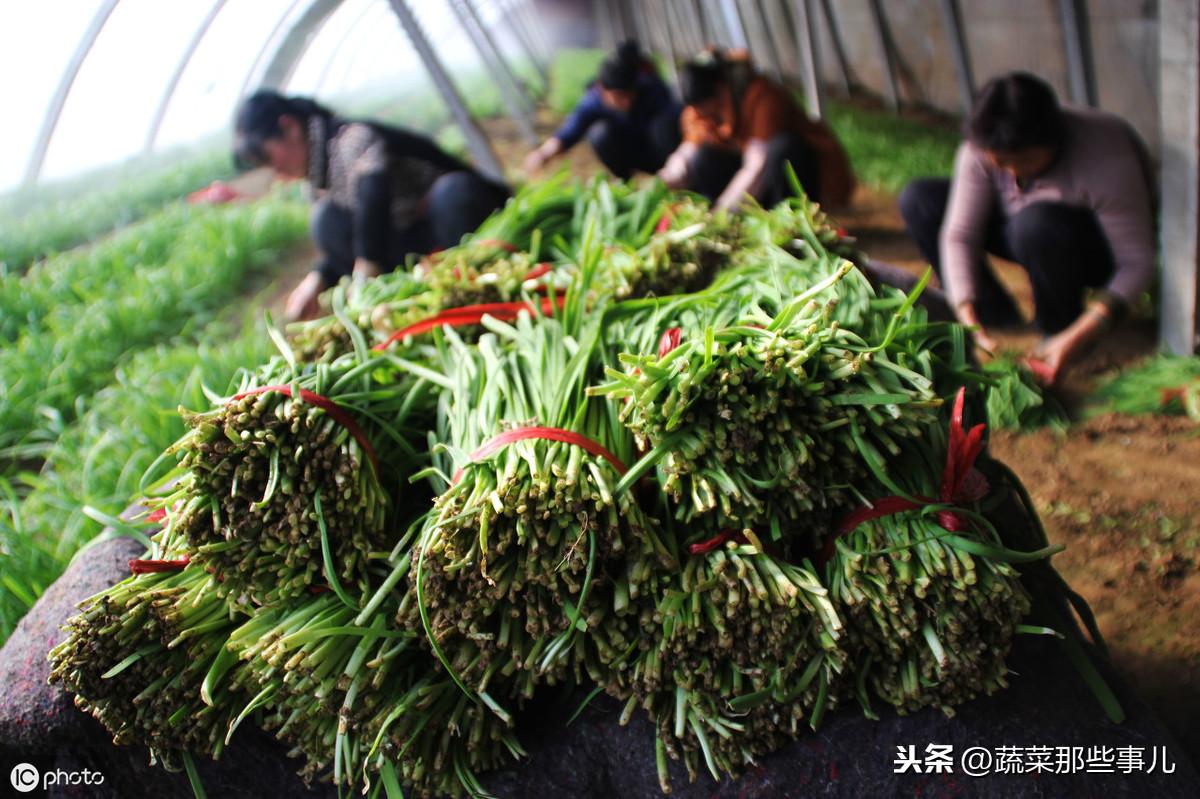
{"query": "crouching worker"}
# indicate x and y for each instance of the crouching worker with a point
(382, 193)
(628, 115)
(1064, 192)
(740, 129)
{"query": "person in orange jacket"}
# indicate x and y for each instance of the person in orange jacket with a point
(739, 130)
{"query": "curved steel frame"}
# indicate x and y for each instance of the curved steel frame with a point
(160, 112)
(59, 98)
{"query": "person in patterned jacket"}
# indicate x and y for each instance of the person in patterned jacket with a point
(381, 193)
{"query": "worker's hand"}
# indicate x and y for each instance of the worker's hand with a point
(965, 311)
(674, 173)
(364, 270)
(538, 158)
(534, 161)
(302, 302)
(1051, 359)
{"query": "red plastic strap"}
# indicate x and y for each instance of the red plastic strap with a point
(470, 315)
(335, 411)
(541, 269)
(962, 483)
(669, 341)
(141, 566)
(544, 434)
(664, 221)
(1168, 395)
(1040, 369)
(716, 541)
(157, 515)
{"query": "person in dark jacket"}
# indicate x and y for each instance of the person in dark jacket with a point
(383, 193)
(628, 116)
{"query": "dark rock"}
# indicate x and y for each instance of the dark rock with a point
(40, 725)
(1047, 705)
(31, 711)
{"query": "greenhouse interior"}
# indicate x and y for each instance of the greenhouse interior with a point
(803, 396)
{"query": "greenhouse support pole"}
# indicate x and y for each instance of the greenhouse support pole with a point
(657, 18)
(763, 22)
(839, 47)
(260, 77)
(295, 42)
(721, 32)
(351, 29)
(1077, 43)
(707, 36)
(604, 26)
(1179, 132)
(59, 98)
(511, 93)
(477, 141)
(732, 16)
(527, 13)
(807, 44)
(884, 42)
(685, 12)
(512, 19)
(160, 111)
(952, 20)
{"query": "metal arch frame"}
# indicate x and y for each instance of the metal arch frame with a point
(351, 29)
(477, 140)
(164, 103)
(765, 38)
(259, 77)
(525, 42)
(59, 99)
(839, 47)
(810, 56)
(1081, 73)
(953, 22)
(512, 94)
(732, 16)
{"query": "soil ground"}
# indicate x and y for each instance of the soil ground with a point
(1122, 493)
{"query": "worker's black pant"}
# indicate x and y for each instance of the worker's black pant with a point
(711, 168)
(625, 148)
(455, 204)
(1060, 246)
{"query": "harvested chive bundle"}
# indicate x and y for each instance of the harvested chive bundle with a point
(932, 622)
(282, 490)
(137, 659)
(377, 309)
(529, 546)
(756, 420)
(784, 393)
(744, 656)
(930, 594)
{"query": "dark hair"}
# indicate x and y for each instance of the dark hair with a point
(620, 69)
(258, 121)
(700, 78)
(1015, 112)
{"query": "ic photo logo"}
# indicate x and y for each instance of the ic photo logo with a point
(25, 777)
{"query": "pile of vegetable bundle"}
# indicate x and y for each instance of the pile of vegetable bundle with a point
(699, 464)
(756, 419)
(530, 543)
(280, 485)
(138, 657)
